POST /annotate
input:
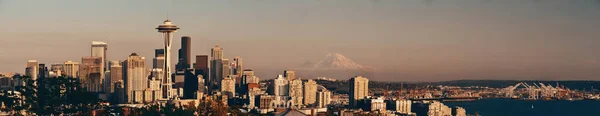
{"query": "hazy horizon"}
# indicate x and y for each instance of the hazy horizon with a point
(405, 40)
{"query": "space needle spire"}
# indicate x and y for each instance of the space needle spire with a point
(167, 29)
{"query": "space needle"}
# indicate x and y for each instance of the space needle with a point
(167, 29)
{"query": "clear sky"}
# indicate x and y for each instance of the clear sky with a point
(407, 40)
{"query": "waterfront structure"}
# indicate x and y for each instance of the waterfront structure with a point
(91, 72)
(31, 69)
(400, 106)
(296, 92)
(290, 74)
(310, 92)
(431, 108)
(136, 78)
(280, 86)
(372, 104)
(323, 97)
(71, 69)
(359, 89)
(459, 111)
(116, 74)
(185, 53)
(228, 86)
(167, 29)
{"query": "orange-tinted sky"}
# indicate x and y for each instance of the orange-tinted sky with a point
(412, 40)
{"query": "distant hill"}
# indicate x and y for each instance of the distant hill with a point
(342, 86)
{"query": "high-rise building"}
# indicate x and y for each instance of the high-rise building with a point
(216, 73)
(459, 111)
(42, 71)
(238, 66)
(431, 108)
(359, 89)
(310, 92)
(98, 49)
(323, 97)
(167, 29)
(201, 87)
(57, 70)
(90, 72)
(296, 92)
(372, 104)
(32, 69)
(290, 74)
(71, 69)
(201, 68)
(136, 79)
(400, 106)
(158, 62)
(116, 74)
(228, 86)
(190, 84)
(185, 53)
(281, 86)
(118, 96)
(226, 68)
(216, 53)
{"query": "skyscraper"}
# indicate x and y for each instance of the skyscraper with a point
(57, 69)
(190, 86)
(310, 91)
(359, 89)
(167, 29)
(98, 49)
(201, 68)
(238, 66)
(216, 63)
(228, 86)
(216, 53)
(281, 86)
(90, 72)
(136, 80)
(71, 69)
(296, 92)
(32, 69)
(226, 68)
(158, 62)
(200, 91)
(323, 97)
(42, 71)
(116, 74)
(185, 53)
(290, 74)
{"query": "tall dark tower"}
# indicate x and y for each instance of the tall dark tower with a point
(185, 54)
(201, 68)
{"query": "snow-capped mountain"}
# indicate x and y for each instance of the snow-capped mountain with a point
(338, 61)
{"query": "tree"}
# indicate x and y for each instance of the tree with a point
(51, 96)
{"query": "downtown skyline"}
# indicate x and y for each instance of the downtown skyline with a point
(556, 44)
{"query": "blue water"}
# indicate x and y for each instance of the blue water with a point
(510, 107)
